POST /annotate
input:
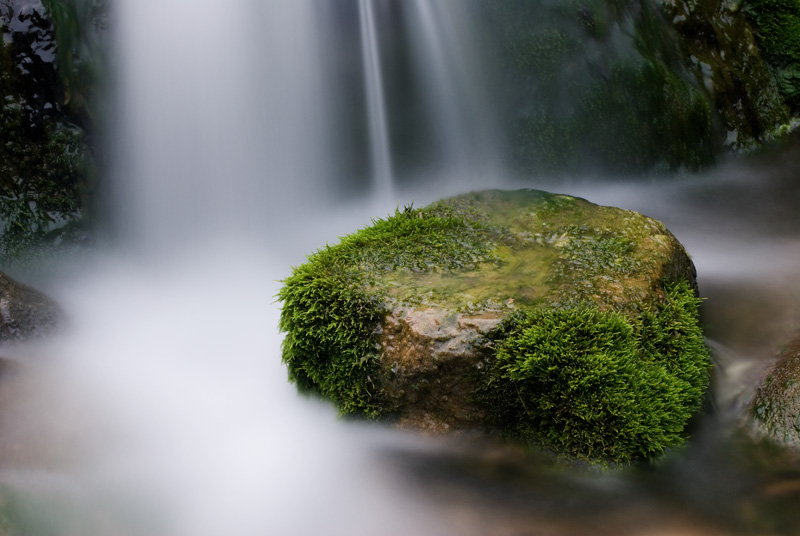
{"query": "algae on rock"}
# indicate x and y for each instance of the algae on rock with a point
(645, 86)
(775, 409)
(429, 319)
(600, 86)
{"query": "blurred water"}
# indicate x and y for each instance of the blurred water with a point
(381, 161)
(163, 409)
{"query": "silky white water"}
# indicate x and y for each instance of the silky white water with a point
(380, 153)
(188, 425)
(454, 87)
(163, 407)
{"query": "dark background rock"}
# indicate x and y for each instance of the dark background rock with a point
(25, 313)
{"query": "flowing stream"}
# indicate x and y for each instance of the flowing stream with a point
(163, 408)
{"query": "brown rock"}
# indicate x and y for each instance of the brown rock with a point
(25, 313)
(776, 406)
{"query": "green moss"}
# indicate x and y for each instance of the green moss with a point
(601, 86)
(596, 253)
(597, 384)
(332, 307)
(599, 352)
(778, 23)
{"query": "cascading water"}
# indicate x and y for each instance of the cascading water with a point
(164, 407)
(381, 163)
(223, 117)
(443, 109)
(453, 84)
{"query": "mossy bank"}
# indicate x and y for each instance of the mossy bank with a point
(526, 314)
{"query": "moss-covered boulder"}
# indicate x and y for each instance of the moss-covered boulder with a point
(775, 409)
(527, 314)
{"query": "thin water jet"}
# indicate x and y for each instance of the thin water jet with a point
(380, 156)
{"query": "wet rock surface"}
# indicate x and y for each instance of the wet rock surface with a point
(556, 250)
(428, 357)
(25, 313)
(775, 409)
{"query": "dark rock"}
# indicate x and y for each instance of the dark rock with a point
(25, 313)
(775, 409)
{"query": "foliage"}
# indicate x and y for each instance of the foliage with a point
(80, 52)
(332, 308)
(778, 23)
(46, 165)
(598, 385)
(43, 163)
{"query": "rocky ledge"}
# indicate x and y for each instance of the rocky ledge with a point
(526, 314)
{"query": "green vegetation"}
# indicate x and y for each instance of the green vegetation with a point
(600, 86)
(333, 304)
(80, 54)
(43, 165)
(601, 356)
(597, 384)
(778, 24)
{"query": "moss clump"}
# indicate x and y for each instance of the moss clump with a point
(333, 304)
(596, 253)
(597, 384)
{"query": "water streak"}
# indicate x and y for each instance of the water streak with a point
(380, 152)
(454, 87)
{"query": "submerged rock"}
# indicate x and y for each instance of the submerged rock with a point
(25, 313)
(441, 319)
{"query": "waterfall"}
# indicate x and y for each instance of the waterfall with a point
(454, 88)
(440, 103)
(163, 408)
(380, 153)
(221, 123)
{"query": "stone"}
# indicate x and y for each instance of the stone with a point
(407, 320)
(726, 58)
(775, 409)
(25, 313)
